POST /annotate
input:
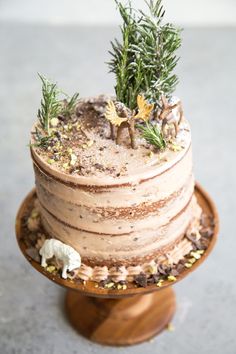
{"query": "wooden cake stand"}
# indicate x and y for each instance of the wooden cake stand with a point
(120, 317)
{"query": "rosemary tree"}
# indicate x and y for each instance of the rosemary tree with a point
(50, 104)
(143, 61)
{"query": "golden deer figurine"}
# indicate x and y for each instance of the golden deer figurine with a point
(126, 118)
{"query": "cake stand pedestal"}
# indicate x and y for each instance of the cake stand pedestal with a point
(119, 317)
(122, 321)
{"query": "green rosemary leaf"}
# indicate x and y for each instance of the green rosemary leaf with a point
(41, 140)
(144, 60)
(70, 105)
(50, 105)
(152, 135)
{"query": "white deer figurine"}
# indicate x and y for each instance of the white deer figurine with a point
(70, 258)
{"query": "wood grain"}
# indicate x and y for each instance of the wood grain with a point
(120, 322)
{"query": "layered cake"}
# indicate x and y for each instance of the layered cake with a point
(114, 179)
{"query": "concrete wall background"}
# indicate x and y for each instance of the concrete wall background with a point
(103, 12)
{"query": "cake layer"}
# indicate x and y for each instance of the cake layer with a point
(125, 271)
(131, 248)
(103, 157)
(116, 221)
(121, 209)
(150, 190)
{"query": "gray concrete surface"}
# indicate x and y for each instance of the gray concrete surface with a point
(31, 308)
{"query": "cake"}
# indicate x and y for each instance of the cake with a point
(114, 174)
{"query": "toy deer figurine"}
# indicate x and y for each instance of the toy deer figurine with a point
(126, 118)
(171, 113)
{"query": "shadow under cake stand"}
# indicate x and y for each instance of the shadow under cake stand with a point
(120, 317)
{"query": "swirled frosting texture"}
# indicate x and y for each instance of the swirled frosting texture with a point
(122, 221)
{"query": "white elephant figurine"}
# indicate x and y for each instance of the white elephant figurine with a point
(69, 256)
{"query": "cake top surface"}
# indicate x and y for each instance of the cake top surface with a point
(81, 148)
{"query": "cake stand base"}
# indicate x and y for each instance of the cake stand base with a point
(121, 322)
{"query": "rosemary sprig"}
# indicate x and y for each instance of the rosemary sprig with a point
(52, 107)
(152, 135)
(143, 61)
(50, 104)
(122, 62)
(69, 107)
(41, 140)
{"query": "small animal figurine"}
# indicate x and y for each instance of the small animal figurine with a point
(70, 258)
(125, 118)
(171, 113)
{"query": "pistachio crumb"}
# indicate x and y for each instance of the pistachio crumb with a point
(73, 159)
(195, 255)
(170, 327)
(109, 285)
(152, 269)
(51, 269)
(65, 165)
(54, 122)
(159, 284)
(188, 265)
(70, 277)
(171, 278)
(90, 143)
(50, 161)
(174, 147)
